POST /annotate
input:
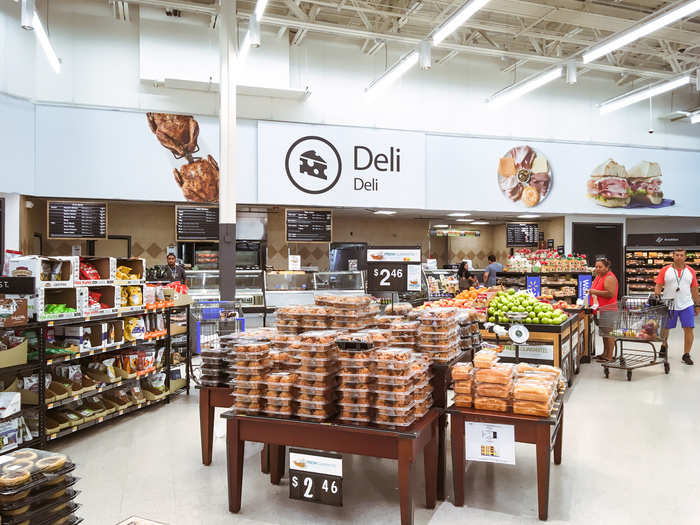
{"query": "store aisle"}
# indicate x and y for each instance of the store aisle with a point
(630, 456)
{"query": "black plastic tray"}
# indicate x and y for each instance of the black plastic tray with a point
(37, 479)
(41, 513)
(39, 494)
(354, 345)
(51, 518)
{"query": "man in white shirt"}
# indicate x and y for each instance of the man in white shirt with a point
(680, 283)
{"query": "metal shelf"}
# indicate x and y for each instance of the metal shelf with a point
(103, 350)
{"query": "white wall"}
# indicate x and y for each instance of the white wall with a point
(17, 130)
(11, 232)
(101, 67)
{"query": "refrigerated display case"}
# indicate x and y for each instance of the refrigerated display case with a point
(441, 283)
(203, 284)
(642, 266)
(340, 283)
(284, 288)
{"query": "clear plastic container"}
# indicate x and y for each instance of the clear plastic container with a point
(403, 326)
(242, 383)
(432, 348)
(280, 412)
(256, 391)
(323, 397)
(393, 423)
(316, 385)
(350, 362)
(249, 408)
(380, 337)
(317, 359)
(289, 330)
(356, 388)
(249, 367)
(358, 324)
(384, 321)
(498, 373)
(355, 421)
(327, 406)
(255, 347)
(485, 358)
(356, 378)
(403, 339)
(394, 410)
(316, 390)
(357, 354)
(320, 337)
(359, 405)
(388, 394)
(354, 411)
(343, 314)
(274, 397)
(390, 364)
(245, 398)
(394, 354)
(437, 337)
(309, 326)
(439, 314)
(308, 414)
(344, 301)
(394, 380)
(356, 341)
(398, 309)
(463, 400)
(491, 403)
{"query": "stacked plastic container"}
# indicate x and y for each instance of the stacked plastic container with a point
(248, 364)
(281, 394)
(385, 321)
(493, 382)
(214, 371)
(297, 319)
(535, 389)
(357, 359)
(395, 386)
(423, 390)
(404, 334)
(37, 486)
(463, 377)
(380, 337)
(318, 357)
(438, 335)
(282, 358)
(469, 334)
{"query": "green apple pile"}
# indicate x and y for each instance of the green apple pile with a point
(524, 302)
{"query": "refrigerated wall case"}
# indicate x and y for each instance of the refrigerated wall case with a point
(441, 283)
(642, 266)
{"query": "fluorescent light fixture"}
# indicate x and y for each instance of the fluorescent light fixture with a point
(254, 32)
(401, 66)
(260, 8)
(384, 212)
(45, 43)
(695, 119)
(518, 90)
(571, 75)
(28, 8)
(441, 225)
(459, 214)
(643, 29)
(460, 16)
(480, 223)
(424, 55)
(465, 220)
(642, 94)
(528, 216)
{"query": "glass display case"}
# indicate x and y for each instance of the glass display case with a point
(283, 288)
(342, 283)
(250, 286)
(441, 283)
(203, 284)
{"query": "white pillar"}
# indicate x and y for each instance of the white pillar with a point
(228, 43)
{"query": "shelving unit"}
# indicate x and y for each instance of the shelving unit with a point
(564, 284)
(42, 368)
(642, 267)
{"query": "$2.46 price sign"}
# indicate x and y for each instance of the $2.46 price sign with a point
(393, 277)
(316, 477)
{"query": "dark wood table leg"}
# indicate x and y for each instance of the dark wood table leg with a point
(277, 457)
(206, 424)
(430, 467)
(442, 457)
(558, 440)
(265, 459)
(458, 452)
(543, 459)
(235, 448)
(405, 481)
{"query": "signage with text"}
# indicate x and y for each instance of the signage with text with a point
(17, 286)
(390, 254)
(197, 223)
(520, 235)
(316, 476)
(77, 220)
(534, 284)
(668, 240)
(393, 277)
(584, 284)
(340, 166)
(490, 443)
(309, 225)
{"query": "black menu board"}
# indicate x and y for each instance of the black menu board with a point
(309, 225)
(519, 235)
(77, 220)
(197, 223)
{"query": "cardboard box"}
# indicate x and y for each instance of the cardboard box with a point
(71, 297)
(177, 329)
(10, 404)
(178, 299)
(138, 267)
(13, 312)
(35, 266)
(105, 266)
(86, 337)
(111, 296)
(115, 332)
(14, 356)
(127, 307)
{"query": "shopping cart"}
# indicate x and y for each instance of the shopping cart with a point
(635, 319)
(211, 320)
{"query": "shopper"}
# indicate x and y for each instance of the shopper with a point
(174, 271)
(604, 292)
(679, 284)
(491, 270)
(466, 279)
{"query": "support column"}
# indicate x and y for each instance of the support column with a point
(228, 43)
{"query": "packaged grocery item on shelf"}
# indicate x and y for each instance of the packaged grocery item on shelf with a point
(462, 371)
(398, 309)
(485, 358)
(385, 321)
(380, 337)
(463, 400)
(532, 408)
(343, 301)
(394, 422)
(495, 404)
(493, 390)
(498, 373)
(529, 390)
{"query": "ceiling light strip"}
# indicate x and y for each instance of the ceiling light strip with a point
(458, 18)
(643, 94)
(252, 36)
(644, 28)
(401, 66)
(522, 88)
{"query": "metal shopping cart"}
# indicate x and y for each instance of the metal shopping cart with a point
(635, 319)
(211, 320)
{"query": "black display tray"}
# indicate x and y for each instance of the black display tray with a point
(37, 479)
(42, 513)
(40, 494)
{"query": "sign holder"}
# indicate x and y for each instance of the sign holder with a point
(316, 476)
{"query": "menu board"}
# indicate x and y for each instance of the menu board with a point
(518, 235)
(309, 225)
(77, 220)
(197, 223)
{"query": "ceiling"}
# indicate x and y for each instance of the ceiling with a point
(515, 33)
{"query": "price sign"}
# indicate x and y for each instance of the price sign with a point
(393, 277)
(316, 476)
(490, 443)
(17, 285)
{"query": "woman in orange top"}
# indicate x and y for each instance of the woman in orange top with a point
(604, 292)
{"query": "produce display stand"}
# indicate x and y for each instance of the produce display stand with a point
(403, 446)
(543, 432)
(536, 350)
(518, 280)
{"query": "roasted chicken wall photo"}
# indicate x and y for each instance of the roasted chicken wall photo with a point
(199, 177)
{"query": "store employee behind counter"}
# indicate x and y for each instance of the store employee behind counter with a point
(466, 279)
(491, 270)
(174, 271)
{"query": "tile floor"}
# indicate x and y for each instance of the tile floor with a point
(630, 455)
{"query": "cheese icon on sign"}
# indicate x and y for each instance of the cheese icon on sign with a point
(313, 165)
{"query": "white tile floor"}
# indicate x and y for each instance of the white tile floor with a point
(630, 455)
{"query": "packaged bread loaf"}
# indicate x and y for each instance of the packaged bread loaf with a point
(496, 404)
(498, 373)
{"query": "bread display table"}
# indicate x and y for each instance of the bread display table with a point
(210, 398)
(403, 446)
(544, 433)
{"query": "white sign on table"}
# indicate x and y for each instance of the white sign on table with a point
(490, 443)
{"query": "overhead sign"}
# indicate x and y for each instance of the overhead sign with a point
(520, 235)
(393, 277)
(77, 220)
(340, 166)
(309, 225)
(316, 477)
(664, 239)
(393, 254)
(490, 443)
(197, 223)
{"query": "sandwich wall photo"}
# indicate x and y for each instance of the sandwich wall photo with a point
(613, 186)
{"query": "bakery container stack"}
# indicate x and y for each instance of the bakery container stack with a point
(380, 337)
(396, 370)
(37, 486)
(469, 334)
(438, 335)
(280, 354)
(214, 367)
(348, 312)
(385, 321)
(357, 359)
(248, 363)
(289, 319)
(318, 357)
(463, 377)
(493, 382)
(535, 389)
(404, 334)
(423, 389)
(281, 394)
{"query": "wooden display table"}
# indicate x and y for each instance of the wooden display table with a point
(403, 446)
(544, 433)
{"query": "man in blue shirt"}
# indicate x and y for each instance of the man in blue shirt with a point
(491, 270)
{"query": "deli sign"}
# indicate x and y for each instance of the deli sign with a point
(340, 166)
